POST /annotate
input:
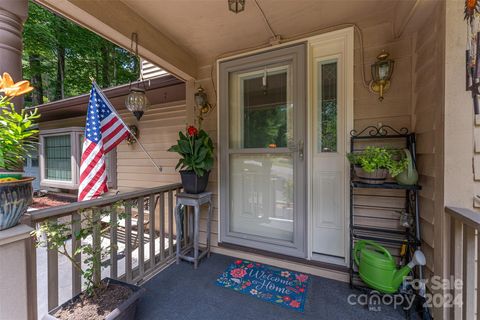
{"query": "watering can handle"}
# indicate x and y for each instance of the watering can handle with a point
(363, 243)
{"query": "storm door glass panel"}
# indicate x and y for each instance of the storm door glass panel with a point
(261, 162)
(327, 107)
(58, 165)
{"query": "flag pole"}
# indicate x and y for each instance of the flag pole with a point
(128, 129)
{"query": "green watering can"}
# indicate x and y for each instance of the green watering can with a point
(377, 267)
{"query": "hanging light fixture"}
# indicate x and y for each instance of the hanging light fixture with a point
(382, 71)
(136, 101)
(236, 5)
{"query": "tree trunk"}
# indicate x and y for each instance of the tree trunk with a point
(36, 79)
(106, 65)
(60, 84)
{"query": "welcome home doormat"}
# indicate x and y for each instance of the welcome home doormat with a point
(282, 287)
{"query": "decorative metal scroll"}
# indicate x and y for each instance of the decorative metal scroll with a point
(382, 131)
(472, 52)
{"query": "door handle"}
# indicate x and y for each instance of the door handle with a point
(300, 149)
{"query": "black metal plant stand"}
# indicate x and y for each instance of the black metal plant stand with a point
(374, 222)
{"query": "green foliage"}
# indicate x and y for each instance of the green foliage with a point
(373, 158)
(56, 235)
(18, 136)
(59, 57)
(265, 126)
(196, 151)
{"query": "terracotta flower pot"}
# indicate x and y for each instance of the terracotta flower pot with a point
(376, 177)
(15, 197)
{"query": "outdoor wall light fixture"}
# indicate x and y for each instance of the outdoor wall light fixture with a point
(136, 101)
(201, 104)
(382, 71)
(134, 134)
(201, 100)
(236, 5)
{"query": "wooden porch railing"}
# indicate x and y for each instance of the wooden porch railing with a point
(464, 252)
(149, 217)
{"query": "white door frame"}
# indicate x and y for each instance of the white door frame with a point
(345, 40)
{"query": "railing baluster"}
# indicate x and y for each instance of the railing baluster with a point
(52, 275)
(140, 236)
(128, 241)
(457, 263)
(162, 226)
(113, 244)
(97, 241)
(170, 223)
(76, 243)
(478, 275)
(151, 228)
(468, 272)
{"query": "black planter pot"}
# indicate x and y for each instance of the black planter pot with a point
(15, 197)
(193, 183)
(125, 311)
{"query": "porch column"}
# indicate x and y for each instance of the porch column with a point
(15, 264)
(13, 14)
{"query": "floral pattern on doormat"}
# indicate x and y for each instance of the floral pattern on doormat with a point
(282, 287)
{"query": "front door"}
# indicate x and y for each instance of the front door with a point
(331, 65)
(262, 112)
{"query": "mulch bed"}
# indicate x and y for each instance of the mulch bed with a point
(50, 200)
(96, 307)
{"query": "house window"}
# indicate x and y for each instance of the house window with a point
(60, 159)
(58, 151)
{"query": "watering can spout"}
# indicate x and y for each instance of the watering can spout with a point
(418, 260)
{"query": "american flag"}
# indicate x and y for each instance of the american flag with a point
(104, 130)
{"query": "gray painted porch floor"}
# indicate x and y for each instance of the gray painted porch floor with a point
(182, 293)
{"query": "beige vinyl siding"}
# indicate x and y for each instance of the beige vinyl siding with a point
(158, 130)
(428, 123)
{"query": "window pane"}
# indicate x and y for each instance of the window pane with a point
(58, 158)
(260, 110)
(261, 191)
(327, 107)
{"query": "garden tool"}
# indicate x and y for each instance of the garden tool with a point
(377, 267)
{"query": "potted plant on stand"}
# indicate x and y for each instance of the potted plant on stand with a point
(101, 299)
(17, 140)
(373, 164)
(195, 148)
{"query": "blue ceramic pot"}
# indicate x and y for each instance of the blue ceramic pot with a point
(15, 197)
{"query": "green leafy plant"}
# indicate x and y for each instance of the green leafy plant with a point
(374, 158)
(18, 133)
(55, 235)
(18, 137)
(196, 151)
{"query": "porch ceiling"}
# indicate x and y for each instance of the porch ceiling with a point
(181, 36)
(208, 29)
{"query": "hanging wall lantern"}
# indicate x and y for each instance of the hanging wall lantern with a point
(236, 5)
(136, 101)
(382, 71)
